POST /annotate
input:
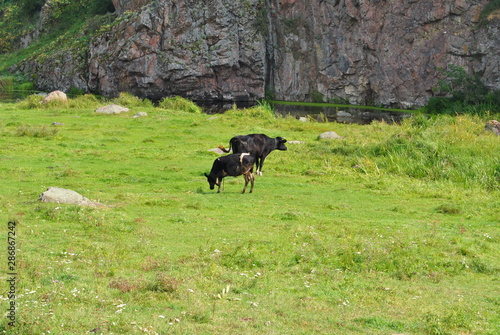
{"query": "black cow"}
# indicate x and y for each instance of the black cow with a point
(232, 165)
(258, 145)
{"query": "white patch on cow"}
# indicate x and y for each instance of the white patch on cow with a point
(242, 155)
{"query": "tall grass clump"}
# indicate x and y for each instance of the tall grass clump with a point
(450, 149)
(128, 100)
(36, 131)
(443, 149)
(32, 101)
(179, 104)
(85, 101)
(262, 110)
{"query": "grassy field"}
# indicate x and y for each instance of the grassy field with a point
(392, 230)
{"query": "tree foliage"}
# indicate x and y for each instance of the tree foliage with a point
(18, 17)
(491, 7)
(458, 92)
(30, 7)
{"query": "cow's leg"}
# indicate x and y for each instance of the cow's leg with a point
(261, 162)
(252, 179)
(246, 182)
(258, 166)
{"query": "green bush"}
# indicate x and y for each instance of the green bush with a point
(180, 104)
(461, 86)
(74, 92)
(488, 9)
(129, 100)
(85, 101)
(254, 112)
(20, 17)
(30, 7)
(33, 101)
(316, 96)
(7, 83)
(438, 105)
(461, 93)
(99, 7)
(13, 83)
(26, 87)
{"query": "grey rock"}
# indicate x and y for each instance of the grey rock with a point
(216, 150)
(330, 135)
(55, 96)
(65, 196)
(140, 114)
(344, 114)
(111, 109)
(493, 126)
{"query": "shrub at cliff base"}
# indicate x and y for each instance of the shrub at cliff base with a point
(461, 93)
(262, 110)
(128, 100)
(180, 104)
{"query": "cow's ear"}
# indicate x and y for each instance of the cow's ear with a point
(206, 175)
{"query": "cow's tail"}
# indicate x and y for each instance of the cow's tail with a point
(224, 149)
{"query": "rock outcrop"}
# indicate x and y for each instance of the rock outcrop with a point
(64, 196)
(111, 109)
(493, 126)
(199, 50)
(380, 51)
(55, 96)
(375, 52)
(330, 135)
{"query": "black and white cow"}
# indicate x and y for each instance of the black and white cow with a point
(232, 165)
(258, 145)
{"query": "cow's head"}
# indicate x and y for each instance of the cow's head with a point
(280, 145)
(212, 181)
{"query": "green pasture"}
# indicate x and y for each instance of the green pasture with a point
(393, 229)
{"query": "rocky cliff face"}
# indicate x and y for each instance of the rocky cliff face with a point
(197, 49)
(377, 51)
(363, 51)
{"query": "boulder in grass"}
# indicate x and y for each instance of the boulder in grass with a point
(140, 114)
(55, 96)
(64, 196)
(493, 126)
(330, 135)
(111, 109)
